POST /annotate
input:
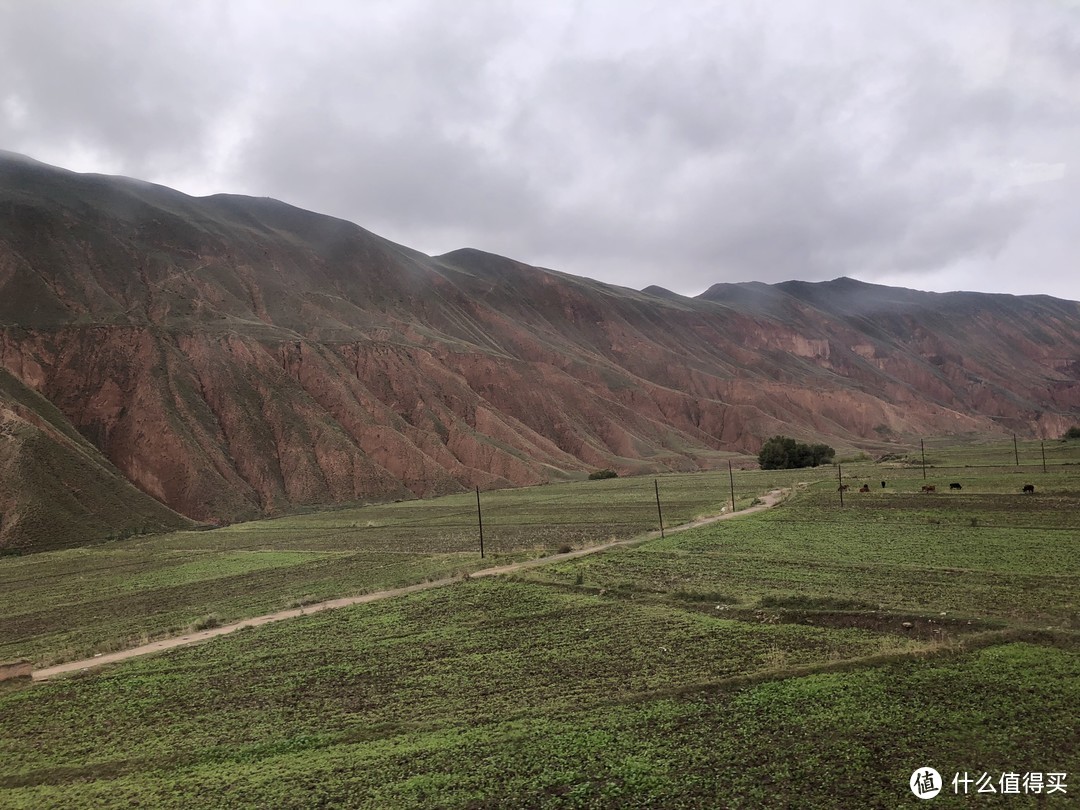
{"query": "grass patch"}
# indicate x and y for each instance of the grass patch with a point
(56, 606)
(207, 622)
(385, 712)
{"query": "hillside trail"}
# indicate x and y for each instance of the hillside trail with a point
(768, 501)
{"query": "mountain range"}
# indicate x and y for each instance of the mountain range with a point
(166, 359)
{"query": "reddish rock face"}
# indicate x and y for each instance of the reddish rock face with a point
(235, 357)
(56, 488)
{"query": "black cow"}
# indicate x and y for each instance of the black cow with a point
(1029, 488)
(955, 486)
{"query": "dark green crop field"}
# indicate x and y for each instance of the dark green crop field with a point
(811, 655)
(206, 736)
(64, 605)
(1008, 558)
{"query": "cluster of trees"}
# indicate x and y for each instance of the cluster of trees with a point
(1072, 433)
(784, 453)
(600, 475)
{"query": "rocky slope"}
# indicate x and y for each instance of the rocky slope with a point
(56, 489)
(234, 356)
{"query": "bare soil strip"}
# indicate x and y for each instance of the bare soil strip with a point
(767, 501)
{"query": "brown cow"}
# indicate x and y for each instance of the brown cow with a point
(929, 488)
(864, 488)
(843, 488)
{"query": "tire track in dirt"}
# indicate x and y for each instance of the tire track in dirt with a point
(767, 501)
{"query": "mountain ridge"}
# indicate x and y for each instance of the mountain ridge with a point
(238, 356)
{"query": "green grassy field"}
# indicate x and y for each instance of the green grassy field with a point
(973, 555)
(62, 605)
(1027, 454)
(515, 691)
(809, 656)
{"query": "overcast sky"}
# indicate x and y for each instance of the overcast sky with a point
(928, 144)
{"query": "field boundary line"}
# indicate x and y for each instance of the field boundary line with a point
(768, 501)
(1067, 640)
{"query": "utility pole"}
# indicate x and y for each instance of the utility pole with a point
(840, 478)
(1016, 452)
(731, 476)
(922, 447)
(656, 485)
(480, 522)
(1042, 446)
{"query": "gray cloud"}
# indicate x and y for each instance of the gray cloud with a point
(119, 83)
(930, 143)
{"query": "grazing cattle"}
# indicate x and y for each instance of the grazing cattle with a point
(883, 485)
(1029, 488)
(864, 488)
(954, 485)
(843, 488)
(929, 488)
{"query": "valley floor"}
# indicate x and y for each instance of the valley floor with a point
(769, 500)
(808, 655)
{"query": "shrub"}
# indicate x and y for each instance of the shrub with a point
(1072, 433)
(599, 475)
(207, 622)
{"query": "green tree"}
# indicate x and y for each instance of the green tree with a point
(784, 453)
(1072, 433)
(776, 453)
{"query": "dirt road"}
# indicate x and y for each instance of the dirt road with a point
(767, 501)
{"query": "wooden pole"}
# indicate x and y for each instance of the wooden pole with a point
(1042, 446)
(656, 485)
(840, 478)
(480, 522)
(1016, 452)
(731, 477)
(922, 447)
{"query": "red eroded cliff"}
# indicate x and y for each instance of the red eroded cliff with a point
(235, 357)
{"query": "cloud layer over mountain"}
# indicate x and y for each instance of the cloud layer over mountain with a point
(930, 143)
